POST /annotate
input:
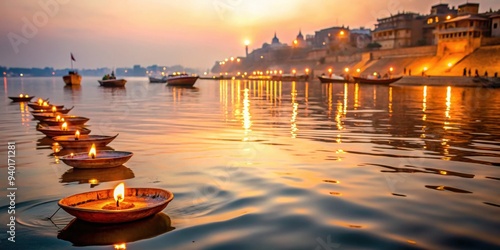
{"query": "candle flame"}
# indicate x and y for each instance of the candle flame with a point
(119, 193)
(121, 246)
(64, 126)
(92, 152)
(58, 118)
(45, 104)
(40, 101)
(77, 134)
(21, 95)
(54, 109)
(26, 96)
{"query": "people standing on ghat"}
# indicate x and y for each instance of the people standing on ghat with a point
(485, 73)
(469, 73)
(404, 71)
(476, 73)
(496, 74)
(465, 71)
(409, 72)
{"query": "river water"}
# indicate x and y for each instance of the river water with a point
(266, 165)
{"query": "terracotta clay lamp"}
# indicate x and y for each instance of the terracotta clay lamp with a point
(64, 129)
(118, 205)
(21, 98)
(44, 105)
(73, 120)
(94, 159)
(83, 141)
(52, 110)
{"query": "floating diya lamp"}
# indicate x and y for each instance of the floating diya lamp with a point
(116, 205)
(94, 159)
(21, 98)
(54, 109)
(83, 141)
(77, 136)
(64, 129)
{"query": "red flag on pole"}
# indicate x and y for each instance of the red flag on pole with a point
(72, 57)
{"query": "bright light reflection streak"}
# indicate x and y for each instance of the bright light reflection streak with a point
(247, 122)
(424, 100)
(356, 96)
(345, 98)
(448, 101)
(390, 99)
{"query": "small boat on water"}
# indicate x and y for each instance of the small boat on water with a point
(181, 80)
(52, 131)
(84, 141)
(49, 110)
(385, 81)
(71, 120)
(111, 81)
(72, 78)
(48, 106)
(21, 98)
(332, 79)
(157, 80)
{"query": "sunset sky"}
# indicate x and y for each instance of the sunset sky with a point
(194, 33)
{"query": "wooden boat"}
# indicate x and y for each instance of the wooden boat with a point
(332, 79)
(72, 78)
(43, 116)
(52, 131)
(61, 111)
(385, 81)
(85, 141)
(71, 120)
(181, 80)
(157, 80)
(36, 106)
(112, 82)
(21, 98)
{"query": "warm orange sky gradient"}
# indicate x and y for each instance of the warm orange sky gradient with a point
(192, 33)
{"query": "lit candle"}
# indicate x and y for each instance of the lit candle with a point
(92, 152)
(21, 95)
(40, 101)
(54, 109)
(77, 134)
(119, 196)
(119, 193)
(64, 126)
(45, 104)
(58, 118)
(26, 96)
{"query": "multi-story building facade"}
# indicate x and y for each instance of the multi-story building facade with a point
(398, 31)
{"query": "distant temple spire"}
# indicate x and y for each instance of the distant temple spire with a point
(275, 39)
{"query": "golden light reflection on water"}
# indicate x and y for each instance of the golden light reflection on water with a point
(247, 117)
(356, 96)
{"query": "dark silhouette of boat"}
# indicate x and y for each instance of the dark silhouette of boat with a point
(21, 98)
(157, 80)
(181, 80)
(383, 81)
(333, 79)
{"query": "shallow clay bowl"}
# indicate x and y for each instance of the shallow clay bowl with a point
(49, 110)
(88, 206)
(21, 99)
(104, 159)
(71, 120)
(51, 131)
(85, 141)
(36, 106)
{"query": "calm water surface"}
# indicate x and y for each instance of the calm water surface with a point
(267, 165)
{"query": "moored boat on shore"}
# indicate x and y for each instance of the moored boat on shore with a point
(332, 79)
(383, 81)
(157, 80)
(72, 78)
